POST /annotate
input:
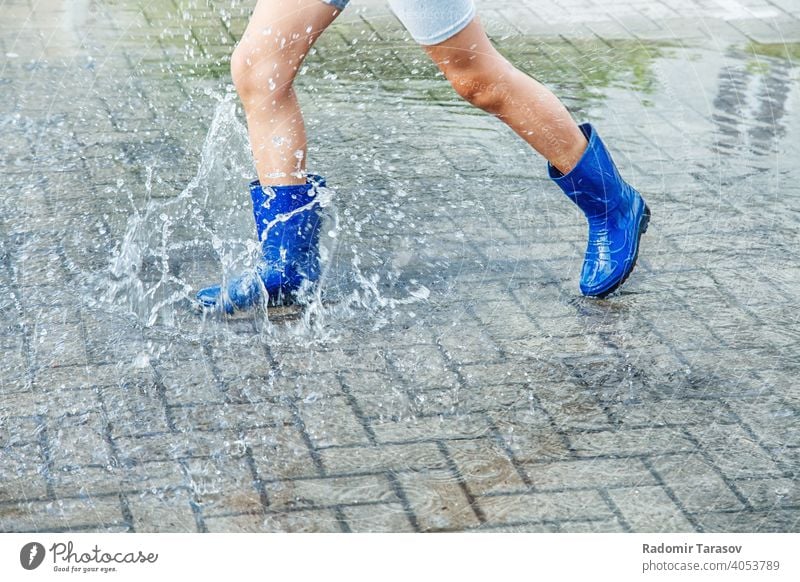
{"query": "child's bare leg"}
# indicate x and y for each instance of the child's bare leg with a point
(486, 79)
(278, 37)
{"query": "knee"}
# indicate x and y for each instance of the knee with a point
(482, 88)
(257, 75)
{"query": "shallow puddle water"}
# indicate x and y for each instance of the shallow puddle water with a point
(447, 375)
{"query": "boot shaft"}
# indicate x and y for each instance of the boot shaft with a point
(287, 214)
(594, 184)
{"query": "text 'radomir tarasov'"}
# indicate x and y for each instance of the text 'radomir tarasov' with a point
(689, 549)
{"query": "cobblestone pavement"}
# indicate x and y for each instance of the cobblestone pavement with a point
(453, 379)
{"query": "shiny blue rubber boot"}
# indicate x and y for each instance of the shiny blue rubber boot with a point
(288, 223)
(617, 215)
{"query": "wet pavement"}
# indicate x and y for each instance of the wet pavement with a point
(451, 378)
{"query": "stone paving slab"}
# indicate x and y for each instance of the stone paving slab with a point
(456, 381)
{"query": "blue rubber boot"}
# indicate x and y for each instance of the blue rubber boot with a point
(288, 223)
(617, 215)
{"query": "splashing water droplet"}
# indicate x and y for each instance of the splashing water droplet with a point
(422, 293)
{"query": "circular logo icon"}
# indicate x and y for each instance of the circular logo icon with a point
(31, 556)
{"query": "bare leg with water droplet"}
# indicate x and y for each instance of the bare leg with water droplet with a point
(264, 64)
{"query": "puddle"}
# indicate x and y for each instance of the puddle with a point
(449, 364)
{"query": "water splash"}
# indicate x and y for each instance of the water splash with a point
(173, 245)
(150, 268)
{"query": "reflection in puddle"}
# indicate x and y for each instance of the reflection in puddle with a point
(751, 104)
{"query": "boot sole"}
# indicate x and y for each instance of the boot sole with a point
(281, 301)
(643, 224)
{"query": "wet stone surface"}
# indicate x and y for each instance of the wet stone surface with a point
(452, 378)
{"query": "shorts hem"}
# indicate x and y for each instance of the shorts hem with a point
(338, 4)
(450, 31)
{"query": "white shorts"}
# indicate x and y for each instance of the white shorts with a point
(428, 21)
